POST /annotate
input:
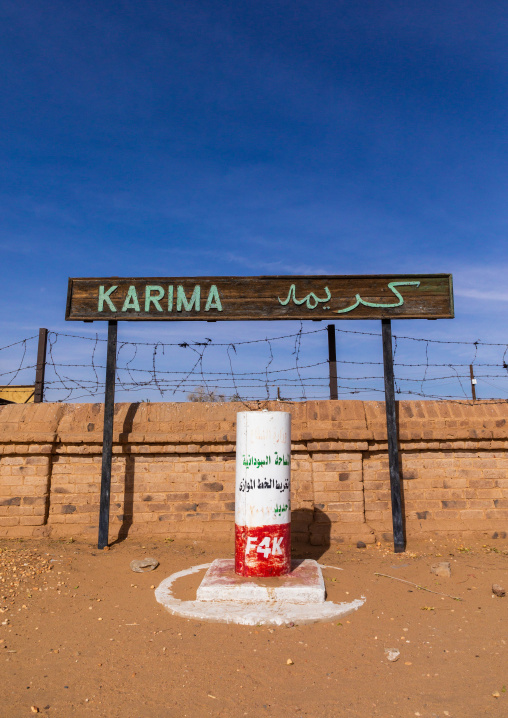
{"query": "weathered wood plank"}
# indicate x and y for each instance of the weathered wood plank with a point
(426, 296)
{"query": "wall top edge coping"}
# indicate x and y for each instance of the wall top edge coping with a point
(411, 407)
(342, 421)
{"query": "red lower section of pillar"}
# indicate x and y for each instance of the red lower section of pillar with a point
(263, 550)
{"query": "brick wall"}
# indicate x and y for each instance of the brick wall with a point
(174, 469)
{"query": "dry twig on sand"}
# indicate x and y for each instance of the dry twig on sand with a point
(422, 588)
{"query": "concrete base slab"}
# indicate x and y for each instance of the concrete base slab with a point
(255, 613)
(304, 584)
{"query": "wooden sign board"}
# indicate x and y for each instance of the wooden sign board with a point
(395, 296)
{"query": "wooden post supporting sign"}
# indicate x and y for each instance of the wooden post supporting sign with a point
(107, 440)
(399, 543)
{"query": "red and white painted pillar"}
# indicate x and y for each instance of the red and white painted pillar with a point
(263, 493)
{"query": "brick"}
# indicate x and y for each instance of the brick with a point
(12, 461)
(351, 495)
(480, 503)
(501, 514)
(472, 514)
(215, 486)
(352, 517)
(481, 483)
(33, 481)
(446, 514)
(149, 497)
(34, 500)
(26, 471)
(78, 519)
(377, 506)
(341, 506)
(186, 506)
(415, 494)
(452, 504)
(172, 518)
(13, 501)
(454, 483)
(489, 493)
(420, 504)
(9, 520)
(209, 506)
(373, 516)
(23, 511)
(31, 520)
(324, 496)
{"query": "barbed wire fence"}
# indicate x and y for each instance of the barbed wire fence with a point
(288, 367)
(22, 356)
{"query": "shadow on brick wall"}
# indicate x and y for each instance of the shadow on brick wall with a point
(310, 530)
(128, 492)
(401, 472)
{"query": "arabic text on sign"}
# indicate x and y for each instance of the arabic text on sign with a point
(312, 300)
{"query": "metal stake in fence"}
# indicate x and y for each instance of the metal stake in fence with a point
(41, 366)
(399, 543)
(107, 440)
(332, 361)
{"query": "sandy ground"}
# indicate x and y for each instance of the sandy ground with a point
(82, 635)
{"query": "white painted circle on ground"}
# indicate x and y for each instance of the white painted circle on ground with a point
(277, 613)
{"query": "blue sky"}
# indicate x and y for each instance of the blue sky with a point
(238, 138)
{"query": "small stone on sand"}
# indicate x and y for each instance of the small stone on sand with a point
(442, 569)
(392, 654)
